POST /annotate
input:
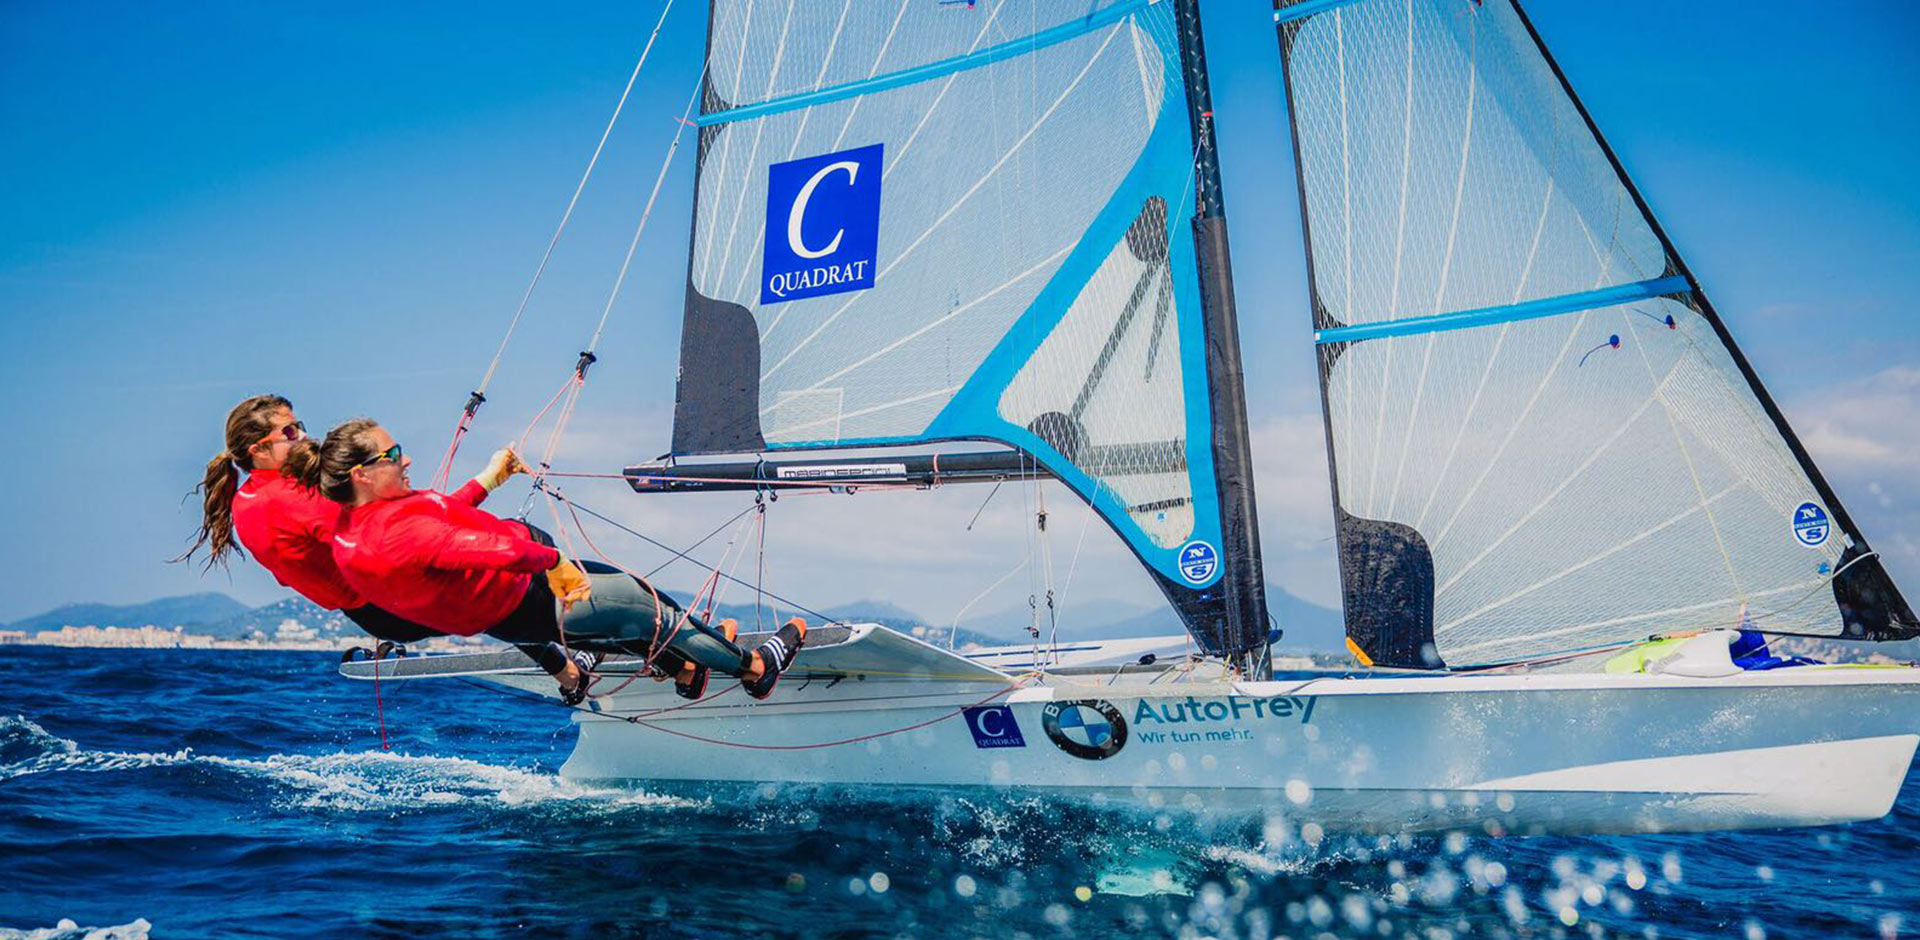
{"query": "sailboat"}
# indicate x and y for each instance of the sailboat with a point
(986, 241)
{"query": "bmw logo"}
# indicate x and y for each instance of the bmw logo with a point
(1089, 729)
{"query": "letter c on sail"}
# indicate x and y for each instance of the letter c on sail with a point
(799, 211)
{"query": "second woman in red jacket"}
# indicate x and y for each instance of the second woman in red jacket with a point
(441, 561)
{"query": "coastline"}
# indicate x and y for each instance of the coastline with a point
(154, 637)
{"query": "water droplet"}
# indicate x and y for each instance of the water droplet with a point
(1299, 791)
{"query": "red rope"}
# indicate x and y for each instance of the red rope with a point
(453, 447)
(531, 425)
(379, 707)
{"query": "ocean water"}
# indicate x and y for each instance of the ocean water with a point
(160, 793)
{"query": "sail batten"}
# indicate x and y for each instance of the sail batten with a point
(971, 60)
(1507, 313)
(1577, 454)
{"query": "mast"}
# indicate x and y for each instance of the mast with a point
(1244, 581)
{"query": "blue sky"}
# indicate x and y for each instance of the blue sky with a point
(344, 204)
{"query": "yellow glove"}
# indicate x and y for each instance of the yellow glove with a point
(505, 463)
(569, 584)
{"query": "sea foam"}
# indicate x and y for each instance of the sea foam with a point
(68, 930)
(365, 781)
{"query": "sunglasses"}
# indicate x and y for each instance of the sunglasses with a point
(297, 431)
(393, 453)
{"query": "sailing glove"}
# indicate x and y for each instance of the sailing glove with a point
(569, 583)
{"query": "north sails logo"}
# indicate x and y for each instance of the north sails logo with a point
(1810, 525)
(823, 225)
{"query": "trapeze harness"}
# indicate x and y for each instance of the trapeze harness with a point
(441, 560)
(289, 530)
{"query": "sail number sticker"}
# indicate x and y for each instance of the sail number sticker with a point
(823, 225)
(1198, 562)
(1089, 729)
(1810, 525)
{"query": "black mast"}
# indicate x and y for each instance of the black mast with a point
(1240, 595)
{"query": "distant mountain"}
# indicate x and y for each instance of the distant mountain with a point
(1307, 625)
(1078, 613)
(867, 611)
(267, 620)
(185, 610)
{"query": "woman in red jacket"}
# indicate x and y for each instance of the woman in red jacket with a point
(441, 561)
(287, 527)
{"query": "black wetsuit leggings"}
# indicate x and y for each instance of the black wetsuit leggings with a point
(534, 625)
(382, 625)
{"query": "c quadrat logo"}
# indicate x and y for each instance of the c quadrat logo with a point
(1089, 729)
(823, 225)
(994, 726)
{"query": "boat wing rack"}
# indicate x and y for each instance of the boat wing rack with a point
(863, 650)
(845, 474)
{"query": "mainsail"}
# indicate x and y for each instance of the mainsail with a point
(1542, 435)
(995, 220)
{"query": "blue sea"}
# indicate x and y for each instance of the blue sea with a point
(163, 793)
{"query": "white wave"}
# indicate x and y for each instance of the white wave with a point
(68, 930)
(367, 781)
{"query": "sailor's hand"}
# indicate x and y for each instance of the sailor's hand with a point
(505, 463)
(569, 583)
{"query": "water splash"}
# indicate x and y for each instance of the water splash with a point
(351, 782)
(68, 930)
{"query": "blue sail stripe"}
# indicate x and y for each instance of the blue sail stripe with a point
(1306, 8)
(1047, 37)
(1529, 310)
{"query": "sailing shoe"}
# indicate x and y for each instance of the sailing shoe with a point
(776, 654)
(694, 685)
(586, 662)
(665, 665)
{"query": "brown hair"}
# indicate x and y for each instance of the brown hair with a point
(248, 423)
(328, 465)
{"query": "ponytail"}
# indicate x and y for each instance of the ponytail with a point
(328, 465)
(302, 465)
(247, 423)
(216, 522)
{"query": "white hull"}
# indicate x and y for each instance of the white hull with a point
(1523, 753)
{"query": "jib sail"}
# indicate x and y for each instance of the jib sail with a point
(1543, 437)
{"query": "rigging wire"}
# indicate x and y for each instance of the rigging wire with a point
(640, 719)
(589, 356)
(684, 556)
(479, 394)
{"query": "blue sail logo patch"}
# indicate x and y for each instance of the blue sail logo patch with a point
(1810, 525)
(1198, 562)
(823, 225)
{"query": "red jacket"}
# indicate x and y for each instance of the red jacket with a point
(289, 530)
(439, 560)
